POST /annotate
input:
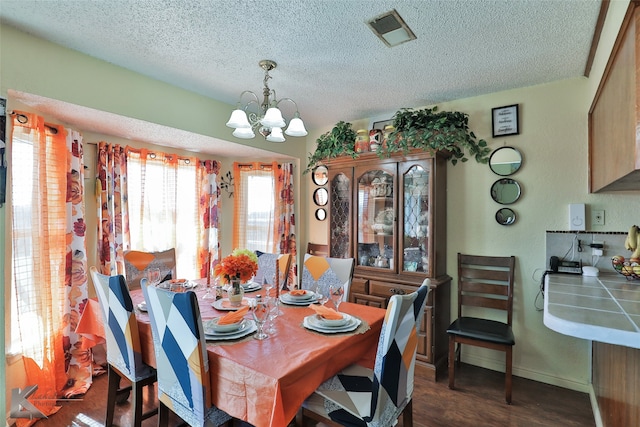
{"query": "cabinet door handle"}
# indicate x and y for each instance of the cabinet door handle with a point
(395, 291)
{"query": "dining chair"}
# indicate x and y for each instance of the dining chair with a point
(326, 272)
(267, 263)
(317, 249)
(137, 263)
(358, 396)
(124, 357)
(181, 358)
(484, 282)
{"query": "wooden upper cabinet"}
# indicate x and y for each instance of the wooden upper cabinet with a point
(614, 144)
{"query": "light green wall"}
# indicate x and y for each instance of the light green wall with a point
(32, 65)
(553, 139)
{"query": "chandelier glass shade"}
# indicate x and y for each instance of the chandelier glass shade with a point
(265, 118)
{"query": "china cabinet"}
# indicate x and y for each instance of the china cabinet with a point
(390, 215)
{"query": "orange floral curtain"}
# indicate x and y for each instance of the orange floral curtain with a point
(49, 263)
(285, 217)
(209, 245)
(113, 217)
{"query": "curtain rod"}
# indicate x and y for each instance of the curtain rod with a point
(24, 119)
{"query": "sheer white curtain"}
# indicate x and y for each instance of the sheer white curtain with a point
(163, 206)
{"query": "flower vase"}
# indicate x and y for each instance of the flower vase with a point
(236, 293)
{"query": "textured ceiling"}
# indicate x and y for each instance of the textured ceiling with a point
(328, 59)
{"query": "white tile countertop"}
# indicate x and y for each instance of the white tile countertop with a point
(604, 309)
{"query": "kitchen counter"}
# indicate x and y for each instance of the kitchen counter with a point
(604, 309)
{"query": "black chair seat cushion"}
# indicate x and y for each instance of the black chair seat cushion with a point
(482, 330)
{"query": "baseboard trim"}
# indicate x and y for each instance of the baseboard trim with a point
(594, 407)
(498, 365)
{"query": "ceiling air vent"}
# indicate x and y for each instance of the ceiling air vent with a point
(391, 28)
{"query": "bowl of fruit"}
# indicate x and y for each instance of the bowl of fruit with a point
(629, 268)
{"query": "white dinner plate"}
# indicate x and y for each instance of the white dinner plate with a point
(224, 304)
(285, 298)
(251, 287)
(308, 295)
(249, 327)
(142, 306)
(210, 330)
(330, 324)
(311, 322)
(167, 285)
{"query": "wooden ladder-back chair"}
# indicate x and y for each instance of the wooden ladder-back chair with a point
(317, 249)
(358, 396)
(484, 282)
(124, 357)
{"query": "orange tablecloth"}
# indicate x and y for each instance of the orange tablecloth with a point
(265, 382)
(90, 325)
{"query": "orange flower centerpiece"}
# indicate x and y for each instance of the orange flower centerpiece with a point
(236, 268)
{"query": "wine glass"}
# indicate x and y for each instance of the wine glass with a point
(335, 293)
(274, 311)
(268, 286)
(208, 294)
(321, 298)
(153, 275)
(260, 312)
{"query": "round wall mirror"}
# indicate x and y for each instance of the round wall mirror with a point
(505, 191)
(321, 196)
(505, 216)
(320, 175)
(505, 161)
(321, 214)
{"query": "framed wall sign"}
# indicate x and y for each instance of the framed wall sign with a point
(504, 121)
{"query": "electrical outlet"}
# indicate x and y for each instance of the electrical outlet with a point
(597, 218)
(597, 251)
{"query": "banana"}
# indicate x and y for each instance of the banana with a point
(631, 242)
(636, 253)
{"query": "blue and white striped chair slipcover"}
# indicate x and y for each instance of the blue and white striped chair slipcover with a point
(181, 357)
(358, 396)
(124, 357)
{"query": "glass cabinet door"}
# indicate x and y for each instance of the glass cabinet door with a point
(376, 219)
(340, 215)
(415, 221)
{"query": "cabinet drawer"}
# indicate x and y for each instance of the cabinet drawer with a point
(360, 286)
(387, 289)
(370, 300)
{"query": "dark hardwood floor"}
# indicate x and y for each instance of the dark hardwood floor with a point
(477, 401)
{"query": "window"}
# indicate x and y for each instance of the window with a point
(260, 208)
(22, 250)
(254, 209)
(163, 204)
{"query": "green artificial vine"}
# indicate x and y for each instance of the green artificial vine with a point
(426, 129)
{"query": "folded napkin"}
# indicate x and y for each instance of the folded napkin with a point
(298, 292)
(233, 317)
(326, 312)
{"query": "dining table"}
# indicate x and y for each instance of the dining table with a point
(264, 382)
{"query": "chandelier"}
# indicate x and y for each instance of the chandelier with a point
(268, 119)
